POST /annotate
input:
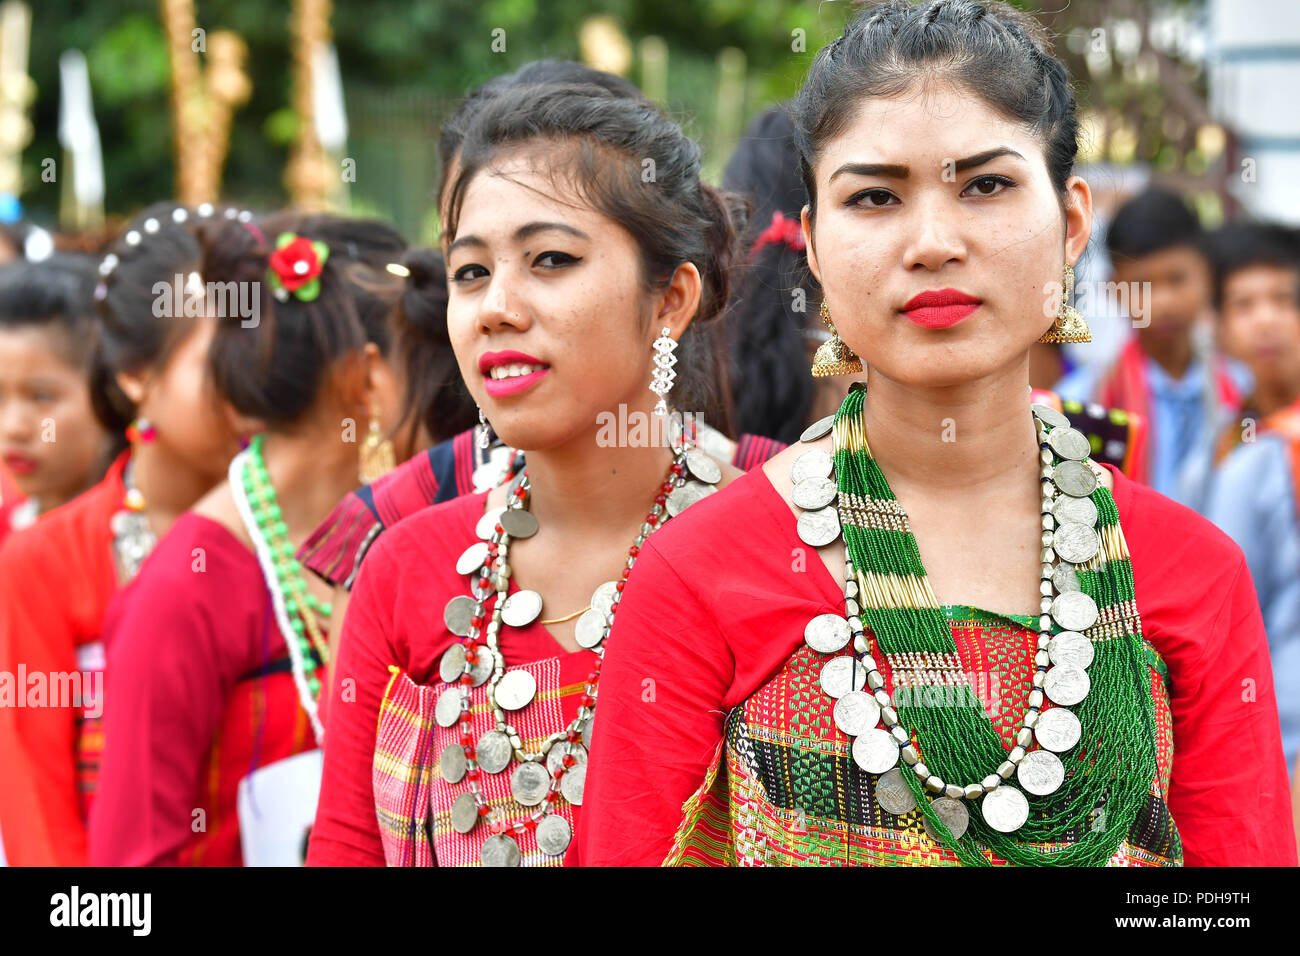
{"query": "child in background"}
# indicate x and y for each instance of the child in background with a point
(1165, 373)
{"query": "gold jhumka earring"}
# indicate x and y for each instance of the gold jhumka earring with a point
(1070, 325)
(834, 357)
(377, 457)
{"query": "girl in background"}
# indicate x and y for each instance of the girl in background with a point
(218, 651)
(57, 577)
(50, 441)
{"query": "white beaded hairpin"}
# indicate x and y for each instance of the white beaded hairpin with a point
(133, 238)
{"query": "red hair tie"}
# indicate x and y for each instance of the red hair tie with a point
(782, 230)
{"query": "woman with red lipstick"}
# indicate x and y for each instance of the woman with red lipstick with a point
(50, 441)
(217, 652)
(57, 577)
(574, 281)
(466, 459)
(987, 647)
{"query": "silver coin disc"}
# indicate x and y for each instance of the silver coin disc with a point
(827, 633)
(1078, 510)
(521, 608)
(815, 463)
(893, 793)
(500, 850)
(590, 629)
(602, 599)
(516, 690)
(472, 558)
(818, 428)
(954, 815)
(837, 674)
(856, 712)
(1066, 684)
(529, 783)
(452, 764)
(1071, 647)
(458, 614)
(573, 783)
(1076, 543)
(561, 749)
(1069, 443)
(493, 751)
(1049, 416)
(703, 467)
(875, 751)
(553, 835)
(452, 664)
(1074, 478)
(1041, 772)
(484, 664)
(447, 711)
(679, 499)
(1075, 610)
(487, 524)
(519, 523)
(819, 528)
(464, 813)
(813, 493)
(1057, 730)
(1005, 809)
(1064, 577)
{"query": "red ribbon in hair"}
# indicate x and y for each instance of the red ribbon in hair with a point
(781, 230)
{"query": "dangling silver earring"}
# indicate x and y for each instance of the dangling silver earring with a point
(662, 382)
(481, 432)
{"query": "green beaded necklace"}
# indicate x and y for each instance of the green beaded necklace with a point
(1115, 761)
(294, 603)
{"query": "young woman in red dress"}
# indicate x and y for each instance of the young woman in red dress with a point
(435, 394)
(474, 638)
(52, 447)
(58, 576)
(216, 652)
(934, 633)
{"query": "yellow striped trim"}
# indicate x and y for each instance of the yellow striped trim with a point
(895, 591)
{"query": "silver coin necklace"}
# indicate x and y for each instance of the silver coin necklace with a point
(557, 769)
(867, 712)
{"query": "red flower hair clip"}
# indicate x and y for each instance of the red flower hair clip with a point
(783, 231)
(295, 267)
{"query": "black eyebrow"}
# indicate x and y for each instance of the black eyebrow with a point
(892, 171)
(979, 159)
(525, 231)
(872, 169)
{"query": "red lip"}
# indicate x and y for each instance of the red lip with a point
(490, 360)
(499, 387)
(940, 309)
(19, 464)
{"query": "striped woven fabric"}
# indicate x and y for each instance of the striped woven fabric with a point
(413, 802)
(337, 547)
(783, 790)
(90, 724)
(753, 450)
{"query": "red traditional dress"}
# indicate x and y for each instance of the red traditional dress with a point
(203, 721)
(383, 798)
(56, 580)
(713, 742)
